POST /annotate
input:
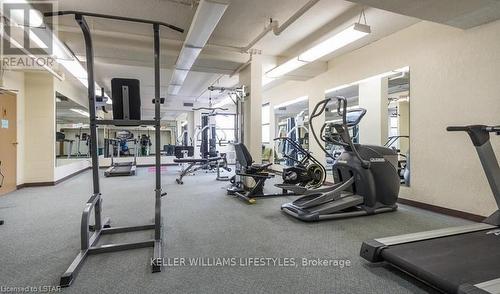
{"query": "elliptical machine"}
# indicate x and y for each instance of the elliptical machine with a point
(366, 177)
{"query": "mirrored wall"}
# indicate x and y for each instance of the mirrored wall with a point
(291, 121)
(386, 98)
(72, 131)
(138, 141)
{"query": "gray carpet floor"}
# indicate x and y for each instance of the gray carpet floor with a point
(40, 238)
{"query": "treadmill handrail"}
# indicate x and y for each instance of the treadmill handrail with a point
(480, 136)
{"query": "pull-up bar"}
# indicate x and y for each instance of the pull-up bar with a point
(107, 16)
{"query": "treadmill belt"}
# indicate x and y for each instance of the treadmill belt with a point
(449, 262)
(121, 170)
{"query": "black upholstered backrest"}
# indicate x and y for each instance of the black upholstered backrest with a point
(242, 155)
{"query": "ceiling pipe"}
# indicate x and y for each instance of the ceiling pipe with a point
(276, 28)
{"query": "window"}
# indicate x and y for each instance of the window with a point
(225, 127)
(266, 127)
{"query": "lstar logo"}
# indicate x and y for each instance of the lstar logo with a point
(25, 32)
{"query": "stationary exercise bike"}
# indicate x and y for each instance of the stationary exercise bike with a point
(366, 176)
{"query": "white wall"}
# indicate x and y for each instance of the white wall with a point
(454, 80)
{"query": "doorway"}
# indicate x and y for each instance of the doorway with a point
(8, 142)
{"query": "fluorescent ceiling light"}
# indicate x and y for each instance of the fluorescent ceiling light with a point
(76, 69)
(285, 68)
(174, 89)
(290, 102)
(34, 37)
(206, 18)
(187, 57)
(178, 76)
(81, 112)
(266, 80)
(347, 36)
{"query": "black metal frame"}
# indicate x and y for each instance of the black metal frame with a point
(100, 226)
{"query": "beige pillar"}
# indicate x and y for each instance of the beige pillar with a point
(40, 122)
(373, 96)
(251, 77)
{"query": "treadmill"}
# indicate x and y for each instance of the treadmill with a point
(453, 260)
(126, 106)
(118, 169)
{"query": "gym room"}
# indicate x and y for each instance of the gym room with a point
(232, 146)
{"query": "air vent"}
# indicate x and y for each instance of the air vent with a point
(188, 104)
(282, 109)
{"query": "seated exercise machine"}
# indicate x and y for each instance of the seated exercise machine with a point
(258, 172)
(90, 234)
(126, 104)
(453, 260)
(194, 164)
(366, 177)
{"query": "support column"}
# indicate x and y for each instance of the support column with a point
(251, 77)
(40, 121)
(373, 96)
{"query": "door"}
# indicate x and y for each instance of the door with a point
(8, 142)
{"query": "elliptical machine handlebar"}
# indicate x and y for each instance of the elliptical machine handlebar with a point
(344, 128)
(342, 110)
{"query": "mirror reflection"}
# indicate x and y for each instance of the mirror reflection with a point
(386, 98)
(72, 131)
(291, 122)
